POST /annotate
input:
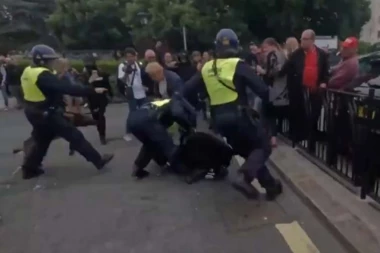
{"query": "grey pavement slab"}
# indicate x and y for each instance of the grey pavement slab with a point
(353, 219)
(74, 208)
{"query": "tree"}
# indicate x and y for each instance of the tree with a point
(202, 19)
(283, 18)
(23, 21)
(90, 24)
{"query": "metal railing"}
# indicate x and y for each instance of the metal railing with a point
(346, 137)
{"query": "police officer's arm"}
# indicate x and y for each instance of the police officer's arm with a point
(253, 81)
(49, 83)
(192, 87)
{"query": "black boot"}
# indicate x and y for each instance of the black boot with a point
(273, 191)
(28, 173)
(244, 185)
(105, 160)
(139, 173)
(103, 140)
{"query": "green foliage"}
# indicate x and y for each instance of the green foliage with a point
(99, 24)
(90, 24)
(23, 21)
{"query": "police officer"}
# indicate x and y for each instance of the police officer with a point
(150, 124)
(44, 109)
(225, 80)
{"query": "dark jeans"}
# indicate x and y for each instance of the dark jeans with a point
(249, 140)
(153, 135)
(98, 115)
(275, 117)
(133, 105)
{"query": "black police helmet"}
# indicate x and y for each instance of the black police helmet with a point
(227, 38)
(41, 54)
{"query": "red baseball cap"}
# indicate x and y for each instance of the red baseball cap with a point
(350, 42)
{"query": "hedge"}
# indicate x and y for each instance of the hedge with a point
(108, 66)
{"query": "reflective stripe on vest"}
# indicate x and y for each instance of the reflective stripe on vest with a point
(160, 103)
(218, 93)
(29, 84)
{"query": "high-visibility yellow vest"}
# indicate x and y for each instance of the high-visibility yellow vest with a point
(160, 103)
(29, 84)
(218, 93)
(174, 128)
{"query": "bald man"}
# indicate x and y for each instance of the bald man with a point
(167, 81)
(150, 56)
(307, 72)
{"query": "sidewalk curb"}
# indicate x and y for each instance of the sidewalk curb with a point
(346, 243)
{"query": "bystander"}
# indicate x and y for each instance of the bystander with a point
(345, 72)
(308, 72)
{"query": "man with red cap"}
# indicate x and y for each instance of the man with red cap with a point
(345, 72)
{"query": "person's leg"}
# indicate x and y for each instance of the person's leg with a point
(142, 160)
(132, 106)
(98, 116)
(67, 131)
(5, 96)
(35, 149)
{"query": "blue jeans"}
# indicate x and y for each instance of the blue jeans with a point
(133, 105)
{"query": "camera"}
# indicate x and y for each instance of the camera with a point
(129, 68)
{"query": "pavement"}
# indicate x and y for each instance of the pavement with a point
(355, 221)
(74, 208)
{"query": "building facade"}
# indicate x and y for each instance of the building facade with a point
(371, 31)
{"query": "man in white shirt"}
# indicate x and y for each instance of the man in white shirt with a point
(131, 76)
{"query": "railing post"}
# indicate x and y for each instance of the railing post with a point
(368, 149)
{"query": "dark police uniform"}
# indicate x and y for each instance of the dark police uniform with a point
(44, 110)
(150, 125)
(225, 79)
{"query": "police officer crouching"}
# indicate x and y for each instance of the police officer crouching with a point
(43, 94)
(225, 80)
(150, 123)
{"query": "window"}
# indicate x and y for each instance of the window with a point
(378, 34)
(378, 19)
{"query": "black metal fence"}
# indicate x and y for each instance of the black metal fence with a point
(346, 137)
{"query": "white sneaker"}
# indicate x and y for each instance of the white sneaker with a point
(127, 137)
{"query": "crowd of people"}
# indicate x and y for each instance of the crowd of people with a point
(278, 81)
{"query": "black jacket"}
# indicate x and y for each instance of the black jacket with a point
(293, 68)
(298, 103)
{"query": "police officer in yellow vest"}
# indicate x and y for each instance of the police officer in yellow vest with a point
(150, 123)
(225, 80)
(44, 107)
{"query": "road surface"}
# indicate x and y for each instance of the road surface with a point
(74, 208)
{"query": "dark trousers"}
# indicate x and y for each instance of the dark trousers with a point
(147, 153)
(275, 117)
(133, 105)
(249, 140)
(157, 143)
(314, 107)
(45, 129)
(98, 115)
